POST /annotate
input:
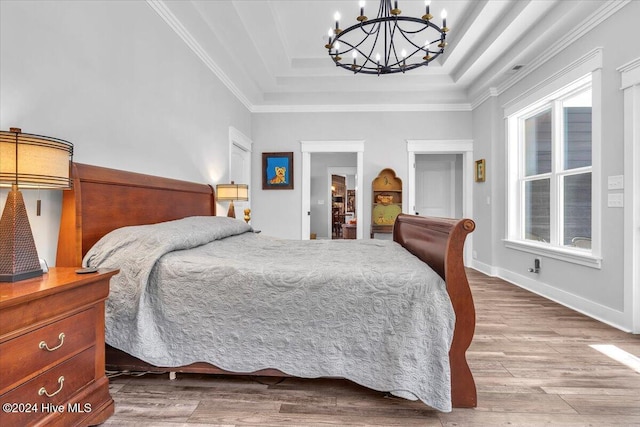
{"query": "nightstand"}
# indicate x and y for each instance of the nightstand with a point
(52, 349)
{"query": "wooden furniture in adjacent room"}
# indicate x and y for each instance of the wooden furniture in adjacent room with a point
(349, 231)
(386, 199)
(52, 350)
(105, 199)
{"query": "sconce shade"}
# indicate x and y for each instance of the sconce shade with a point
(26, 161)
(232, 192)
(34, 161)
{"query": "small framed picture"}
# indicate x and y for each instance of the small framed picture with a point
(480, 170)
(277, 171)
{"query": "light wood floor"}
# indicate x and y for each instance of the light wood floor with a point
(531, 358)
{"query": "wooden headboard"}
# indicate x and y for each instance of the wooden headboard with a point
(103, 199)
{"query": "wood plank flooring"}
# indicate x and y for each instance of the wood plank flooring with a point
(531, 359)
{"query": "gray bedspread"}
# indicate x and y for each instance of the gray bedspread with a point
(208, 289)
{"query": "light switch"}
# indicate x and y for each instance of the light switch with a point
(616, 200)
(615, 182)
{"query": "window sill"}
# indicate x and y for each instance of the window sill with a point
(574, 256)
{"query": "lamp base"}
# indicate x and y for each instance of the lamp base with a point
(20, 276)
(18, 255)
(231, 213)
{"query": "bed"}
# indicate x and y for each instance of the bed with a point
(103, 201)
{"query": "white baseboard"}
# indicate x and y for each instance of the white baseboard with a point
(611, 317)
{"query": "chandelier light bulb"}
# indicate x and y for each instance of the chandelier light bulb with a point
(426, 44)
(378, 57)
(443, 15)
(403, 53)
(362, 2)
(336, 16)
(354, 54)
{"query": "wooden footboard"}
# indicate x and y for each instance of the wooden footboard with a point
(439, 242)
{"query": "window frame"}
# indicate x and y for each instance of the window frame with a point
(535, 103)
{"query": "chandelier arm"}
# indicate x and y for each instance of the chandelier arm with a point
(392, 46)
(367, 57)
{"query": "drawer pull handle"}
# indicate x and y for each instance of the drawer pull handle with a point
(44, 390)
(43, 345)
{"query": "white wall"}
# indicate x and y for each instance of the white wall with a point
(385, 134)
(597, 292)
(117, 82)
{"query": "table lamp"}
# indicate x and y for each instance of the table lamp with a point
(28, 162)
(232, 192)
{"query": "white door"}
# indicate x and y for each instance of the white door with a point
(436, 185)
(240, 166)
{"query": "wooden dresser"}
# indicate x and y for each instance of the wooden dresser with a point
(52, 350)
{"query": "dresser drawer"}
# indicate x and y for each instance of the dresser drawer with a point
(49, 392)
(30, 354)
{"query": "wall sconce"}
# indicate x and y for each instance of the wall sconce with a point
(29, 162)
(232, 192)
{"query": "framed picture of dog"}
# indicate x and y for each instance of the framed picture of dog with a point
(277, 171)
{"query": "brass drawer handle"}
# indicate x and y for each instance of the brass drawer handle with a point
(44, 390)
(43, 345)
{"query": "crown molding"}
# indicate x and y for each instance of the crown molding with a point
(174, 23)
(360, 108)
(599, 16)
(629, 74)
(483, 96)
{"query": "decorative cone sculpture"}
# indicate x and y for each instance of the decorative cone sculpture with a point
(18, 254)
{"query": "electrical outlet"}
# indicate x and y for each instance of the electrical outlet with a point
(537, 263)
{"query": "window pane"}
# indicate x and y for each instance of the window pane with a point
(537, 210)
(577, 210)
(577, 136)
(537, 144)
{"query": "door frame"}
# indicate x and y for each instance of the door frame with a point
(308, 147)
(630, 79)
(443, 146)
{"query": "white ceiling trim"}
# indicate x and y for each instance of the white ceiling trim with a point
(174, 23)
(604, 12)
(360, 108)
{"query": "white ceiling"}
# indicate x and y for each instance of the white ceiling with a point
(271, 52)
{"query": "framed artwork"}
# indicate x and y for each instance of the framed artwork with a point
(351, 201)
(480, 170)
(277, 171)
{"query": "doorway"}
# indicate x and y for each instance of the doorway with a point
(309, 147)
(342, 186)
(240, 165)
(464, 148)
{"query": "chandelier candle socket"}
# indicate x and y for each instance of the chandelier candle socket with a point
(390, 33)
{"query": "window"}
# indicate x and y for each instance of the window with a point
(550, 145)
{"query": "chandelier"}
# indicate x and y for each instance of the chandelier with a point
(388, 44)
